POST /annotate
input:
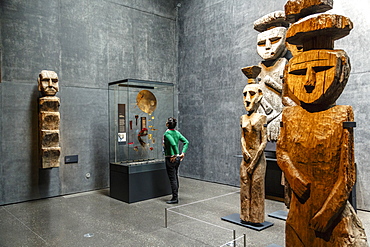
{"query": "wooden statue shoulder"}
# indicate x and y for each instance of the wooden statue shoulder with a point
(345, 110)
(291, 109)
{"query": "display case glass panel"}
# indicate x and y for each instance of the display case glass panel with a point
(138, 111)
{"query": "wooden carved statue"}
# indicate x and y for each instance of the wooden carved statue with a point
(271, 47)
(315, 149)
(49, 119)
(253, 165)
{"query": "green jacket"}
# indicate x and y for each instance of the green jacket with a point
(171, 140)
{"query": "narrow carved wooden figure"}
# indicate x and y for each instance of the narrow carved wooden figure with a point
(316, 153)
(271, 47)
(49, 119)
(253, 165)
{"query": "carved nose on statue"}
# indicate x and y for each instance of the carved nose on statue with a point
(268, 45)
(310, 80)
(309, 88)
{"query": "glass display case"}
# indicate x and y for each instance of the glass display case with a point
(138, 111)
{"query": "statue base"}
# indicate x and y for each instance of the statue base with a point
(235, 218)
(280, 214)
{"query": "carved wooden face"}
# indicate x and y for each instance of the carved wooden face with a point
(271, 43)
(48, 83)
(317, 76)
(252, 95)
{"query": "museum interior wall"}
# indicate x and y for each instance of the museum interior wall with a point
(201, 47)
(217, 39)
(88, 43)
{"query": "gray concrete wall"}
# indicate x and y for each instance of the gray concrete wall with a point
(216, 39)
(89, 43)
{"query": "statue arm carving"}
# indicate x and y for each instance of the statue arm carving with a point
(261, 147)
(298, 183)
(336, 200)
(246, 154)
(278, 86)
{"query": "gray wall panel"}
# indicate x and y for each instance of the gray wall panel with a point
(84, 132)
(30, 38)
(84, 43)
(1, 145)
(88, 43)
(121, 44)
(163, 8)
(356, 94)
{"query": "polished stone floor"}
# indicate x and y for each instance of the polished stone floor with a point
(95, 219)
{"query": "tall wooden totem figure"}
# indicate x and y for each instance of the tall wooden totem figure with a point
(253, 165)
(49, 119)
(315, 149)
(271, 48)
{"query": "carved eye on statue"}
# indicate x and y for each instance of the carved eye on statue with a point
(261, 43)
(298, 72)
(316, 69)
(275, 40)
(251, 93)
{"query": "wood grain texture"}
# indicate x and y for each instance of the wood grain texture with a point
(297, 9)
(329, 26)
(316, 155)
(251, 71)
(271, 20)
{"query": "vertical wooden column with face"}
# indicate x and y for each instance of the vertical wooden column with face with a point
(315, 150)
(271, 48)
(49, 119)
(253, 165)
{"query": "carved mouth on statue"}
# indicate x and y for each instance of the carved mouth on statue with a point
(50, 90)
(309, 88)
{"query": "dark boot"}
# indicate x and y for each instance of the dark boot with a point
(173, 200)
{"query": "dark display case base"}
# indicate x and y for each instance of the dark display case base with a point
(133, 182)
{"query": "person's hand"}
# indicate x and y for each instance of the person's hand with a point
(173, 158)
(182, 156)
